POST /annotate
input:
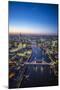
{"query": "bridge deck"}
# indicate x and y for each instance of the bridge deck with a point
(28, 63)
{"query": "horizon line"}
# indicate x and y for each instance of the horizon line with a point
(15, 33)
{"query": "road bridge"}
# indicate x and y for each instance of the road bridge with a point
(38, 63)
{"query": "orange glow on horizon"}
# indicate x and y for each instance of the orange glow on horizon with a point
(14, 30)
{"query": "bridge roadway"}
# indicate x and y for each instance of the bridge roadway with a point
(38, 63)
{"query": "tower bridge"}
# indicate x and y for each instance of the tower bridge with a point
(38, 63)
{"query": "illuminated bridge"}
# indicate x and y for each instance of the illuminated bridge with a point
(39, 63)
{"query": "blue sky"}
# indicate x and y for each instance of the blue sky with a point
(33, 18)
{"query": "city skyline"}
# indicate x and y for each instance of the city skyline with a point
(32, 18)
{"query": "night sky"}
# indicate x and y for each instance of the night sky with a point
(33, 18)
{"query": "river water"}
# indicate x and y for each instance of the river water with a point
(38, 75)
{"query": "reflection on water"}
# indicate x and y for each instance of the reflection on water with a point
(41, 69)
(38, 75)
(36, 68)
